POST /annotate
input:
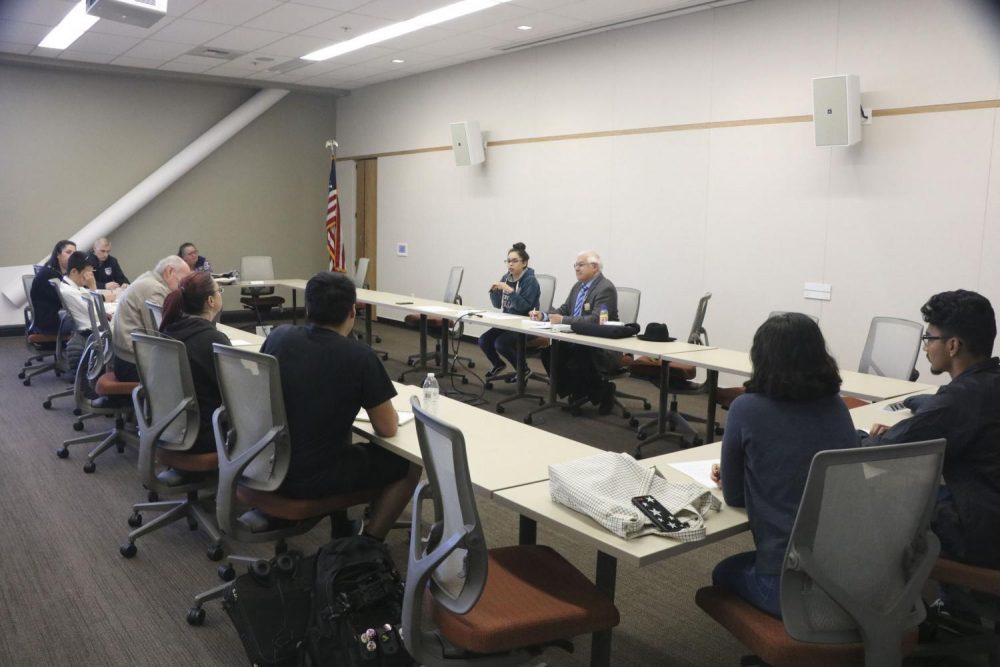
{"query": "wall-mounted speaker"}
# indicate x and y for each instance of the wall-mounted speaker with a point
(837, 110)
(467, 143)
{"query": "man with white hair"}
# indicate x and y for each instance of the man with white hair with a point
(133, 315)
(108, 272)
(582, 370)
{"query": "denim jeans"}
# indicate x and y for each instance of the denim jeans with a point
(497, 342)
(738, 574)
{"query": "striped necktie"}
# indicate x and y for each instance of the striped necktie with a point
(578, 308)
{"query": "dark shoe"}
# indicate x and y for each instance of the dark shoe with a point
(513, 378)
(608, 401)
(495, 371)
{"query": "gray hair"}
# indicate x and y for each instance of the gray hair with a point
(592, 257)
(171, 261)
(101, 241)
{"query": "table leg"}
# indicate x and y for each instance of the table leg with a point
(553, 401)
(600, 643)
(713, 387)
(369, 310)
(295, 307)
(422, 366)
(527, 530)
(666, 426)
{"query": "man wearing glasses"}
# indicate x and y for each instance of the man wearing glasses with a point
(961, 328)
(582, 370)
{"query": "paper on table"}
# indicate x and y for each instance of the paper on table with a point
(238, 343)
(504, 316)
(404, 417)
(699, 471)
(438, 309)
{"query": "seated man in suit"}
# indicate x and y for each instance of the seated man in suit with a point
(582, 369)
(961, 328)
(326, 378)
(108, 273)
(133, 315)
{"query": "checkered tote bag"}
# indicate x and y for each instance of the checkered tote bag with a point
(602, 487)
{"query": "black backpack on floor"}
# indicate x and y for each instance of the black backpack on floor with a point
(270, 607)
(357, 604)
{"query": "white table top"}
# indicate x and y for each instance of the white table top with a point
(875, 413)
(243, 340)
(502, 452)
(535, 502)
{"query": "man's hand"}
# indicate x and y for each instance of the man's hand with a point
(877, 430)
(111, 285)
(556, 318)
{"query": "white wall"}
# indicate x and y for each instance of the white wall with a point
(749, 213)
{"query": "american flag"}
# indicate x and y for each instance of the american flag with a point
(334, 230)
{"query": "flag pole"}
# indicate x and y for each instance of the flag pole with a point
(334, 227)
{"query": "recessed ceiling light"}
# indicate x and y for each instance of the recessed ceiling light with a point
(434, 17)
(74, 24)
(524, 27)
(398, 60)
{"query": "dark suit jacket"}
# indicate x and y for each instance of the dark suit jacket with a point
(108, 271)
(602, 293)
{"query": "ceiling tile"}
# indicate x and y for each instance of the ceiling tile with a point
(459, 44)
(245, 39)
(603, 11)
(156, 50)
(333, 30)
(542, 5)
(335, 5)
(45, 12)
(125, 30)
(291, 18)
(14, 47)
(129, 61)
(419, 38)
(82, 56)
(231, 12)
(20, 32)
(179, 65)
(181, 7)
(295, 46)
(400, 10)
(113, 45)
(542, 24)
(499, 14)
(192, 33)
(364, 55)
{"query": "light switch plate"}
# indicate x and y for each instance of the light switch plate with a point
(402, 249)
(818, 291)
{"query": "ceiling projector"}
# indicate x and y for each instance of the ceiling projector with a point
(142, 13)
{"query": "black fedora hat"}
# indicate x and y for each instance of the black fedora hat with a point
(657, 332)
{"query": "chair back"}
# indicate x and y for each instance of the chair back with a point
(361, 273)
(101, 325)
(891, 348)
(29, 310)
(698, 335)
(450, 559)
(451, 294)
(547, 291)
(156, 312)
(861, 548)
(256, 267)
(628, 304)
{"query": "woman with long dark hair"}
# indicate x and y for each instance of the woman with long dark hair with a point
(189, 314)
(791, 410)
(44, 297)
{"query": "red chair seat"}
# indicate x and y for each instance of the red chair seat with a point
(109, 385)
(300, 509)
(532, 596)
(649, 369)
(765, 635)
(724, 396)
(852, 402)
(413, 321)
(42, 339)
(206, 462)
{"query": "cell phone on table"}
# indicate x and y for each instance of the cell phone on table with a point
(661, 517)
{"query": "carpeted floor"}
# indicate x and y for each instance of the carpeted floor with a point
(68, 598)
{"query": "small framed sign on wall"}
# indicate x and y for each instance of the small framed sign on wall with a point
(402, 249)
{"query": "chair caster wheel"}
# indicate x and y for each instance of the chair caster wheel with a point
(89, 467)
(27, 382)
(488, 385)
(20, 376)
(401, 379)
(196, 616)
(47, 405)
(646, 405)
(472, 364)
(633, 423)
(77, 426)
(640, 435)
(527, 420)
(127, 550)
(465, 380)
(153, 496)
(77, 412)
(227, 572)
(215, 553)
(500, 409)
(626, 414)
(121, 449)
(62, 453)
(279, 548)
(135, 520)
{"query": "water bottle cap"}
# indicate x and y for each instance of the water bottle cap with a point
(430, 375)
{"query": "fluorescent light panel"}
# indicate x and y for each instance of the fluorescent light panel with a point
(434, 17)
(74, 24)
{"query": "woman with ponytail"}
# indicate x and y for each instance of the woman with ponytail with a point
(189, 314)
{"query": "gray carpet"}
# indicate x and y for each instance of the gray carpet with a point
(68, 598)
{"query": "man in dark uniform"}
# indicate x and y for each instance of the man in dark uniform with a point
(108, 273)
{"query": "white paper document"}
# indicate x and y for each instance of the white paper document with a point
(404, 417)
(240, 343)
(699, 471)
(504, 316)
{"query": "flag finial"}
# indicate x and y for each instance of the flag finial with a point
(332, 145)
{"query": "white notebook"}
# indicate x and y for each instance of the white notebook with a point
(404, 417)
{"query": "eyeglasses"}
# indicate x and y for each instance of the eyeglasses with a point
(926, 338)
(516, 260)
(220, 290)
(580, 265)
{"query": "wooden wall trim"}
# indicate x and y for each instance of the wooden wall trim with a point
(687, 127)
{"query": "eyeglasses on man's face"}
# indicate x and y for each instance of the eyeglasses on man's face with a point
(580, 265)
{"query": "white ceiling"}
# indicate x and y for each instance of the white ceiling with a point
(275, 33)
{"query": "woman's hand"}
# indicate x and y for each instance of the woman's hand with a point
(716, 475)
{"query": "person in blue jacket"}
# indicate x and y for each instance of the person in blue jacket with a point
(516, 292)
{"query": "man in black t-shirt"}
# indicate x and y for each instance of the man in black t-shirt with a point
(326, 378)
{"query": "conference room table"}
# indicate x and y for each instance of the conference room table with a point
(244, 340)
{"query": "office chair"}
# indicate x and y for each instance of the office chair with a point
(891, 350)
(258, 299)
(680, 381)
(422, 361)
(156, 312)
(978, 590)
(63, 364)
(860, 551)
(166, 409)
(361, 310)
(465, 604)
(40, 346)
(97, 391)
(254, 452)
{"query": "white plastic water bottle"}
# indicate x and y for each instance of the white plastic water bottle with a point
(431, 393)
